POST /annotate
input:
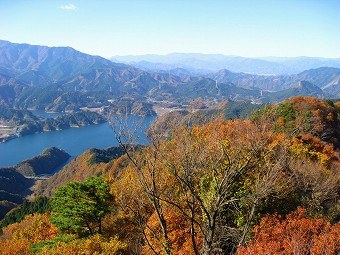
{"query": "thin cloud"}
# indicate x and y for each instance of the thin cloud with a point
(68, 7)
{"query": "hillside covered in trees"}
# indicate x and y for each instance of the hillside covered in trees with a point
(16, 181)
(268, 184)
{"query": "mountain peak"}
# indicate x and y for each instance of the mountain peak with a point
(303, 84)
(306, 86)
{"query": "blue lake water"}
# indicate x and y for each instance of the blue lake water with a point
(73, 140)
(46, 115)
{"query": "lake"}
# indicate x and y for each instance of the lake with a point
(73, 140)
(46, 115)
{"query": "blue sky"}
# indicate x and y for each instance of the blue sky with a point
(250, 28)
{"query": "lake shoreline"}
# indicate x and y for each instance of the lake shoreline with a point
(11, 137)
(13, 128)
(7, 138)
(73, 140)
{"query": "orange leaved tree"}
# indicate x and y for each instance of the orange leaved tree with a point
(296, 234)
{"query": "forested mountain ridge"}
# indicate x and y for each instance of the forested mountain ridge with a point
(62, 67)
(63, 79)
(222, 111)
(320, 77)
(49, 64)
(44, 164)
(93, 162)
(16, 181)
(12, 186)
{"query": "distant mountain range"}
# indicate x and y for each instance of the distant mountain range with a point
(63, 79)
(43, 66)
(322, 77)
(207, 63)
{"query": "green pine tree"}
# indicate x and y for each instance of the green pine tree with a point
(80, 206)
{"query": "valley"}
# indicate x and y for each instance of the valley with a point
(74, 80)
(170, 127)
(155, 143)
(62, 79)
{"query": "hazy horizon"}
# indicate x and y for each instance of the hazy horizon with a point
(173, 53)
(254, 29)
(200, 53)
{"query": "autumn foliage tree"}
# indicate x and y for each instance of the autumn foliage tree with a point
(304, 115)
(208, 175)
(93, 245)
(178, 231)
(297, 233)
(18, 237)
(221, 177)
(202, 189)
(313, 128)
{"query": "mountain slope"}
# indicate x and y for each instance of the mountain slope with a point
(45, 163)
(59, 66)
(320, 77)
(302, 88)
(12, 186)
(333, 87)
(54, 63)
(63, 79)
(93, 162)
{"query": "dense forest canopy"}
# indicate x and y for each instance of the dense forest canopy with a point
(267, 184)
